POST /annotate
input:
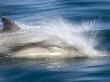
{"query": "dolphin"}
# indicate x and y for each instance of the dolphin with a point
(15, 42)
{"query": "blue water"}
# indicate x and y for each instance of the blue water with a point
(66, 70)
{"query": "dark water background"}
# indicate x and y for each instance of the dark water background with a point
(67, 70)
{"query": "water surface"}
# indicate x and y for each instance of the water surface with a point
(56, 70)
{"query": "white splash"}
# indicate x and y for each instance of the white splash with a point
(58, 33)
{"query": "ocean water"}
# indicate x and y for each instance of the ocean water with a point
(34, 12)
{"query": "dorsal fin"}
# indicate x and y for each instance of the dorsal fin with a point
(9, 25)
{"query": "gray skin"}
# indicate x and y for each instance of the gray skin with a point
(9, 25)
